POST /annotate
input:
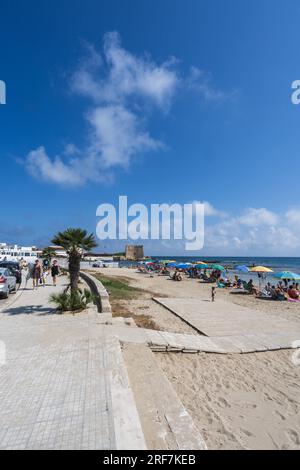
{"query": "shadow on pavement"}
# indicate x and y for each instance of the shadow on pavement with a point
(31, 310)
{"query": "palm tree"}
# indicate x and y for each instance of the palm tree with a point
(75, 241)
(49, 253)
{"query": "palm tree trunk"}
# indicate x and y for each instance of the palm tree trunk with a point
(74, 268)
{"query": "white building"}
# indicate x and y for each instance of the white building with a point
(16, 252)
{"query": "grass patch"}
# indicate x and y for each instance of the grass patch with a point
(119, 292)
(119, 289)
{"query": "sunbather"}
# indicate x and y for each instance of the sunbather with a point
(177, 275)
(293, 293)
(249, 286)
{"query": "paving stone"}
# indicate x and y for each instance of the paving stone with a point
(59, 387)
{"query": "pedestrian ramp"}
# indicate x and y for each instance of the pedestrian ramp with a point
(221, 318)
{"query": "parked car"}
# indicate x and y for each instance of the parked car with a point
(8, 282)
(14, 267)
(97, 265)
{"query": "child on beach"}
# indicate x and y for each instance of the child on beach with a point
(213, 291)
(45, 275)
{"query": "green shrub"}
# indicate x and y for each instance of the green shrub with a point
(71, 301)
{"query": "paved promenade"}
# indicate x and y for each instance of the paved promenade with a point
(64, 384)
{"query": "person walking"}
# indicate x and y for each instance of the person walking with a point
(54, 271)
(45, 275)
(36, 274)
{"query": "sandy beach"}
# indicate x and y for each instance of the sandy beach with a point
(241, 401)
(192, 288)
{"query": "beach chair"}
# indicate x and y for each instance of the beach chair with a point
(246, 287)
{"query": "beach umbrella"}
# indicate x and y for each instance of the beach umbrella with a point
(202, 266)
(166, 261)
(173, 264)
(183, 265)
(219, 267)
(260, 269)
(242, 268)
(287, 275)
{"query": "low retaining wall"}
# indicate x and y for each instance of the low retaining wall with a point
(98, 289)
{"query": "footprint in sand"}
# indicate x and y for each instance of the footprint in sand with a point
(293, 436)
(251, 406)
(246, 432)
(224, 403)
(280, 415)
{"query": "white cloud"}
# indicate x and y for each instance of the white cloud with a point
(257, 217)
(43, 168)
(116, 137)
(255, 231)
(125, 75)
(71, 150)
(210, 210)
(201, 82)
(120, 86)
(293, 217)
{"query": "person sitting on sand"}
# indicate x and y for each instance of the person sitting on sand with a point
(237, 284)
(280, 294)
(268, 288)
(272, 291)
(251, 288)
(164, 271)
(177, 275)
(293, 293)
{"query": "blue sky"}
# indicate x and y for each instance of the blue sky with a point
(163, 101)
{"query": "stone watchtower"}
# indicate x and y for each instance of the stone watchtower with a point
(134, 252)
